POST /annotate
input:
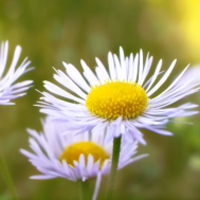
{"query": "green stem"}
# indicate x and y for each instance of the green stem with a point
(84, 186)
(114, 166)
(7, 177)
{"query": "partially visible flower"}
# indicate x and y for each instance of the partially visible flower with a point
(74, 157)
(9, 89)
(121, 100)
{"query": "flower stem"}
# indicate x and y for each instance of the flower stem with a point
(84, 190)
(114, 166)
(5, 172)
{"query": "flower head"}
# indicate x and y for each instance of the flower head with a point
(10, 90)
(73, 156)
(120, 100)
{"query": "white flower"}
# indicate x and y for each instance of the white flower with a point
(74, 157)
(10, 90)
(120, 100)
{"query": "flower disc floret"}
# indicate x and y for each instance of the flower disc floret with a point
(71, 153)
(114, 99)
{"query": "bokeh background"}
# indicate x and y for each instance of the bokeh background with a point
(69, 30)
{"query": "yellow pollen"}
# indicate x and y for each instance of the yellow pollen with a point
(114, 99)
(72, 152)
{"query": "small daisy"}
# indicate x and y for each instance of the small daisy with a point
(121, 100)
(74, 157)
(10, 90)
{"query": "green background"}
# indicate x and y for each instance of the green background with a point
(54, 31)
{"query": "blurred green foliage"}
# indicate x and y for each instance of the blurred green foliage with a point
(54, 31)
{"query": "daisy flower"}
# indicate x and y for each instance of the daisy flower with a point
(121, 100)
(10, 90)
(74, 157)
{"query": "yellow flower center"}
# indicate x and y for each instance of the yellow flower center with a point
(114, 99)
(72, 152)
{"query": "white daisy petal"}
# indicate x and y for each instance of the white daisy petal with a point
(111, 66)
(42, 177)
(130, 68)
(103, 70)
(162, 132)
(3, 56)
(100, 75)
(122, 64)
(147, 67)
(76, 76)
(89, 75)
(66, 82)
(97, 186)
(118, 68)
(163, 79)
(135, 133)
(140, 67)
(135, 69)
(174, 82)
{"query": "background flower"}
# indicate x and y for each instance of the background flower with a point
(9, 89)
